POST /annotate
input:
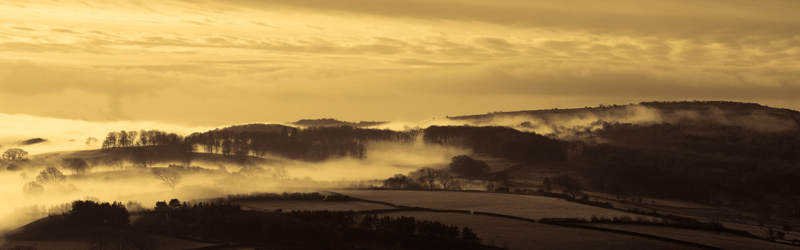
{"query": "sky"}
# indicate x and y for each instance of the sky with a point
(214, 62)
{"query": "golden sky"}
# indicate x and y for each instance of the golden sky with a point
(215, 62)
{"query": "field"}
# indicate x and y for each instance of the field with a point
(525, 206)
(715, 239)
(289, 205)
(516, 234)
(728, 217)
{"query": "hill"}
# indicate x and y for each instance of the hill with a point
(711, 152)
(327, 122)
(258, 127)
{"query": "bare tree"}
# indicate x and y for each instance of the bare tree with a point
(32, 188)
(169, 177)
(51, 175)
(13, 154)
(571, 186)
(280, 173)
(77, 165)
(144, 157)
(429, 176)
(116, 162)
(444, 179)
(245, 166)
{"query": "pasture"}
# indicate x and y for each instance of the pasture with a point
(709, 238)
(289, 205)
(525, 206)
(516, 234)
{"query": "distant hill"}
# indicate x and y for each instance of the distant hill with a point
(327, 122)
(696, 150)
(748, 115)
(258, 127)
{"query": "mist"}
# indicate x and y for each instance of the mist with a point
(207, 180)
(564, 125)
(67, 135)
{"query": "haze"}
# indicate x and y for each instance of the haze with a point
(214, 63)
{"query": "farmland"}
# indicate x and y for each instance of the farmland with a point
(515, 234)
(709, 238)
(289, 205)
(531, 207)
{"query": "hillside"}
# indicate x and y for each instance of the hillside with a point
(327, 122)
(258, 127)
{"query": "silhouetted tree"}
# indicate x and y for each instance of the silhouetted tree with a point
(572, 186)
(445, 179)
(111, 140)
(115, 161)
(280, 172)
(124, 140)
(469, 236)
(144, 157)
(467, 167)
(51, 175)
(429, 176)
(245, 166)
(548, 185)
(169, 177)
(174, 203)
(32, 188)
(399, 181)
(77, 165)
(13, 154)
(504, 179)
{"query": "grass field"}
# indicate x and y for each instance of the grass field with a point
(531, 207)
(715, 239)
(289, 205)
(516, 234)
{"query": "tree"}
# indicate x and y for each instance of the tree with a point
(13, 154)
(444, 179)
(169, 177)
(399, 181)
(245, 166)
(91, 141)
(77, 165)
(571, 186)
(548, 185)
(51, 175)
(144, 157)
(111, 140)
(123, 139)
(429, 176)
(504, 179)
(467, 167)
(469, 236)
(32, 188)
(115, 161)
(280, 173)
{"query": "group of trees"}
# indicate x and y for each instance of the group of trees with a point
(125, 139)
(314, 143)
(49, 176)
(87, 211)
(502, 142)
(431, 178)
